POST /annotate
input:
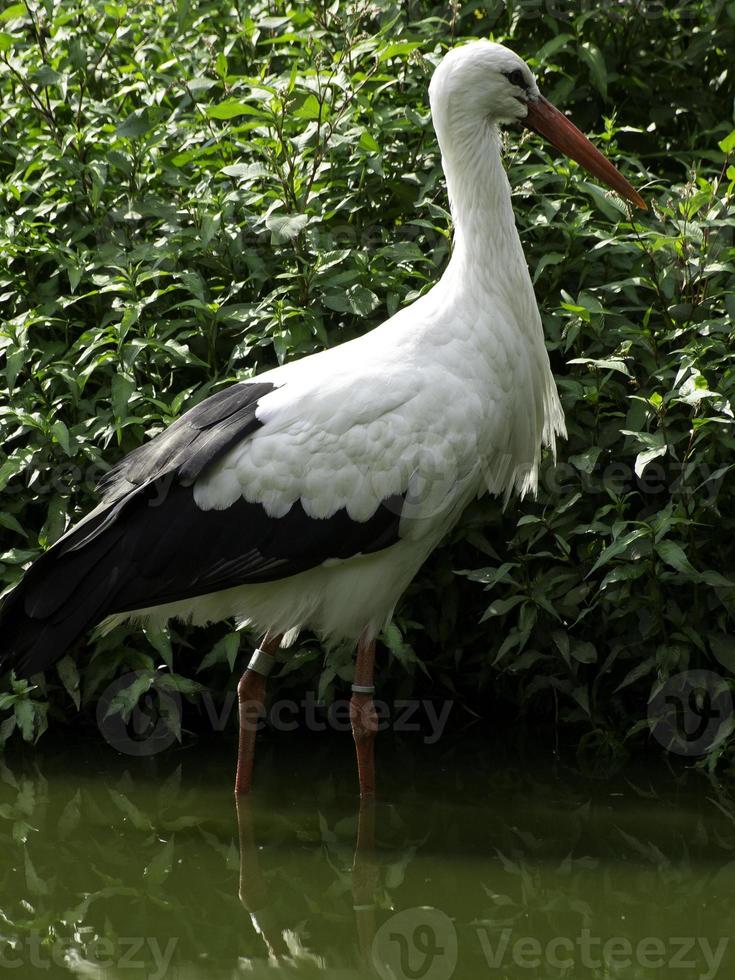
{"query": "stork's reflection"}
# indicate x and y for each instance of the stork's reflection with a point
(278, 936)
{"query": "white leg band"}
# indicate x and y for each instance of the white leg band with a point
(261, 662)
(363, 689)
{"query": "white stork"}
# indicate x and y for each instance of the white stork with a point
(310, 495)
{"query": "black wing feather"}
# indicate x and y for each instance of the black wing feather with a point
(193, 442)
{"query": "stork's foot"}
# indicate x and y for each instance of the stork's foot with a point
(251, 707)
(364, 718)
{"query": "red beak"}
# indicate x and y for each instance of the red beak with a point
(543, 118)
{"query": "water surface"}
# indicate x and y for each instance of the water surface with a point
(471, 866)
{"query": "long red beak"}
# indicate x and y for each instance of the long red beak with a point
(543, 118)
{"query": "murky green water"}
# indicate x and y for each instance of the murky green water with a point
(115, 867)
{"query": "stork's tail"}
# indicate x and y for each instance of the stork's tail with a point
(62, 595)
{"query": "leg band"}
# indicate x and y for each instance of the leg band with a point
(363, 689)
(261, 662)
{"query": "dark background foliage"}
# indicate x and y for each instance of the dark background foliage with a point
(194, 191)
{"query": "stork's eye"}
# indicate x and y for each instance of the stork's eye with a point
(515, 77)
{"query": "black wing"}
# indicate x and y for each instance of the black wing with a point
(148, 543)
(193, 442)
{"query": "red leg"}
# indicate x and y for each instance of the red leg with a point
(253, 885)
(365, 878)
(251, 698)
(364, 717)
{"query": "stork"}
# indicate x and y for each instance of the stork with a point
(310, 495)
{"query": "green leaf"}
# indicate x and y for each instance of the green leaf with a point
(308, 109)
(197, 85)
(6, 729)
(728, 144)
(502, 606)
(34, 882)
(231, 109)
(70, 817)
(595, 60)
(136, 124)
(225, 650)
(12, 524)
(283, 227)
(25, 715)
(640, 670)
(126, 699)
(61, 435)
(130, 811)
(723, 647)
(584, 652)
(15, 10)
(603, 364)
(619, 546)
(717, 580)
(647, 456)
(122, 389)
(357, 299)
(45, 76)
(158, 870)
(623, 573)
(177, 682)
(547, 259)
(552, 47)
(397, 48)
(563, 644)
(246, 170)
(160, 640)
(67, 671)
(55, 523)
(368, 142)
(586, 461)
(673, 555)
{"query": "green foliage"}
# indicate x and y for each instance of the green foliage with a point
(193, 192)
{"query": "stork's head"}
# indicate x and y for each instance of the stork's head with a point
(482, 83)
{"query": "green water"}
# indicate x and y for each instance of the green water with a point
(478, 866)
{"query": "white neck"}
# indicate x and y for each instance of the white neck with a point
(486, 251)
(488, 278)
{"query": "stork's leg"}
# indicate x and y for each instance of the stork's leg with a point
(365, 878)
(250, 699)
(253, 885)
(364, 717)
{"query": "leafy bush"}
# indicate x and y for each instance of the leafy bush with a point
(193, 192)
